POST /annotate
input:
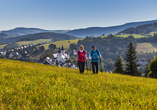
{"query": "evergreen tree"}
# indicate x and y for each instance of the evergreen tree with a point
(153, 68)
(131, 59)
(119, 65)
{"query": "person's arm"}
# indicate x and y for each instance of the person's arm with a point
(86, 55)
(75, 53)
(99, 55)
(90, 55)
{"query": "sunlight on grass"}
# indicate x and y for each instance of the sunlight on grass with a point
(146, 47)
(63, 42)
(2, 46)
(33, 42)
(35, 86)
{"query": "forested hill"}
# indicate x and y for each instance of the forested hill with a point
(98, 31)
(23, 31)
(2, 35)
(19, 31)
(46, 35)
(142, 29)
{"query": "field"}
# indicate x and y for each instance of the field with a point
(146, 47)
(60, 43)
(33, 42)
(126, 35)
(36, 86)
(2, 46)
(28, 42)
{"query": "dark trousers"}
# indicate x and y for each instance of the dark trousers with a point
(81, 66)
(95, 65)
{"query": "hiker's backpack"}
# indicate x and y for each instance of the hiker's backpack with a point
(80, 57)
(83, 52)
(94, 52)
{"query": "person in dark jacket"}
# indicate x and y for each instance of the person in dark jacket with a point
(81, 58)
(94, 57)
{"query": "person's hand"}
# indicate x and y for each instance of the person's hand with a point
(74, 48)
(90, 59)
(100, 57)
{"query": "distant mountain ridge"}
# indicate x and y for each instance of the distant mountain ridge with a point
(141, 29)
(98, 31)
(20, 31)
(82, 33)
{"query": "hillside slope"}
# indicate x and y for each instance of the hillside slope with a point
(36, 86)
(45, 35)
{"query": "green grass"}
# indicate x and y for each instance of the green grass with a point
(146, 47)
(2, 46)
(28, 42)
(126, 35)
(63, 42)
(34, 86)
(33, 42)
(152, 33)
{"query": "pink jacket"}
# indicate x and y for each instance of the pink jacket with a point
(81, 55)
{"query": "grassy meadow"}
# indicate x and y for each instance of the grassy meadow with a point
(34, 86)
(60, 43)
(33, 42)
(135, 35)
(20, 43)
(2, 46)
(146, 47)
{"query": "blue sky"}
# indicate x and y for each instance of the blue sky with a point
(74, 14)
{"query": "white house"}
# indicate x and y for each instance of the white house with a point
(143, 63)
(3, 53)
(61, 56)
(25, 52)
(11, 55)
(17, 54)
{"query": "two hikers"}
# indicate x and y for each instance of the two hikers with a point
(82, 57)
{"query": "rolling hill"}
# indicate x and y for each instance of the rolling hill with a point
(20, 31)
(2, 35)
(98, 31)
(35, 86)
(45, 35)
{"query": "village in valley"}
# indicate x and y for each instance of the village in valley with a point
(58, 58)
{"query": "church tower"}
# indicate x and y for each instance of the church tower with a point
(59, 55)
(62, 50)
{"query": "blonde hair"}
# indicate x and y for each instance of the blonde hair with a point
(82, 46)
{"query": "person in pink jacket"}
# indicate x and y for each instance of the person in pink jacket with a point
(82, 56)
